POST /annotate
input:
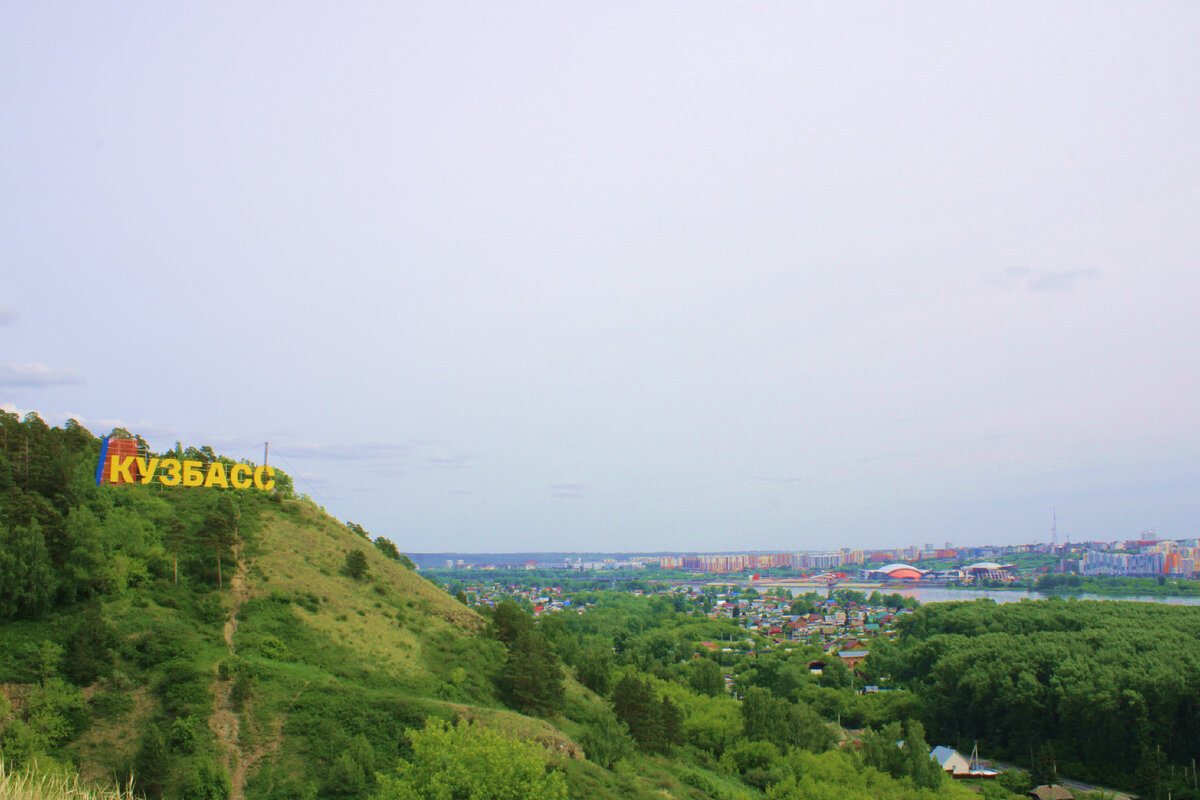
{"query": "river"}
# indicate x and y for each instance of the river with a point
(933, 594)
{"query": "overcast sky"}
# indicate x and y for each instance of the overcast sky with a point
(599, 276)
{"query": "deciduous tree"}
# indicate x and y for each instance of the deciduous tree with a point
(26, 578)
(462, 762)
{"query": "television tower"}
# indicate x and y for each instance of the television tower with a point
(1053, 529)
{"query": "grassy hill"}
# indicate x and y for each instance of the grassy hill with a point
(273, 676)
(221, 644)
(212, 642)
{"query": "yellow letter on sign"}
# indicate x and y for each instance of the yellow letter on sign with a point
(119, 469)
(147, 470)
(192, 476)
(258, 481)
(174, 474)
(239, 476)
(216, 476)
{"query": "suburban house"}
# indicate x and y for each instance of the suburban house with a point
(853, 657)
(951, 761)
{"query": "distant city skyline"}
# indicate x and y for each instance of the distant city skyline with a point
(639, 278)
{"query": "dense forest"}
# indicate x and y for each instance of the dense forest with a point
(212, 643)
(1097, 689)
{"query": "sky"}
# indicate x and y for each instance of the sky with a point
(624, 276)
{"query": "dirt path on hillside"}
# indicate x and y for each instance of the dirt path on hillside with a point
(270, 746)
(226, 724)
(237, 585)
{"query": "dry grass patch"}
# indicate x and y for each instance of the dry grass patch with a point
(27, 785)
(386, 617)
(114, 739)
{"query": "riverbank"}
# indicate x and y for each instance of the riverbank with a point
(948, 594)
(1133, 587)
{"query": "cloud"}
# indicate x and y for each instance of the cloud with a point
(570, 489)
(311, 482)
(774, 479)
(1040, 280)
(35, 375)
(7, 315)
(144, 428)
(350, 451)
(459, 461)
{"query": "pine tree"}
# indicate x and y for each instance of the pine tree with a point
(531, 679)
(220, 530)
(634, 703)
(509, 622)
(88, 653)
(671, 723)
(151, 765)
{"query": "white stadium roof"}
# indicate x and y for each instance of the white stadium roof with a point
(894, 567)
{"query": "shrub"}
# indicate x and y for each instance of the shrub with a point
(356, 565)
(242, 690)
(698, 780)
(183, 688)
(272, 647)
(205, 780)
(464, 761)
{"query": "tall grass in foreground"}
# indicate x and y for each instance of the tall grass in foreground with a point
(28, 785)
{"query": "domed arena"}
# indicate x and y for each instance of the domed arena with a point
(896, 572)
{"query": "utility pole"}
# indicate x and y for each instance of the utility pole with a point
(266, 451)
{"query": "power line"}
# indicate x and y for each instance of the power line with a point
(310, 491)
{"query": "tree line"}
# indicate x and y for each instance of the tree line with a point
(64, 540)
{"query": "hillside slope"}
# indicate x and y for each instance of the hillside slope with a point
(329, 656)
(273, 677)
(215, 642)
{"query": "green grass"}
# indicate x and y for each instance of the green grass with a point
(320, 659)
